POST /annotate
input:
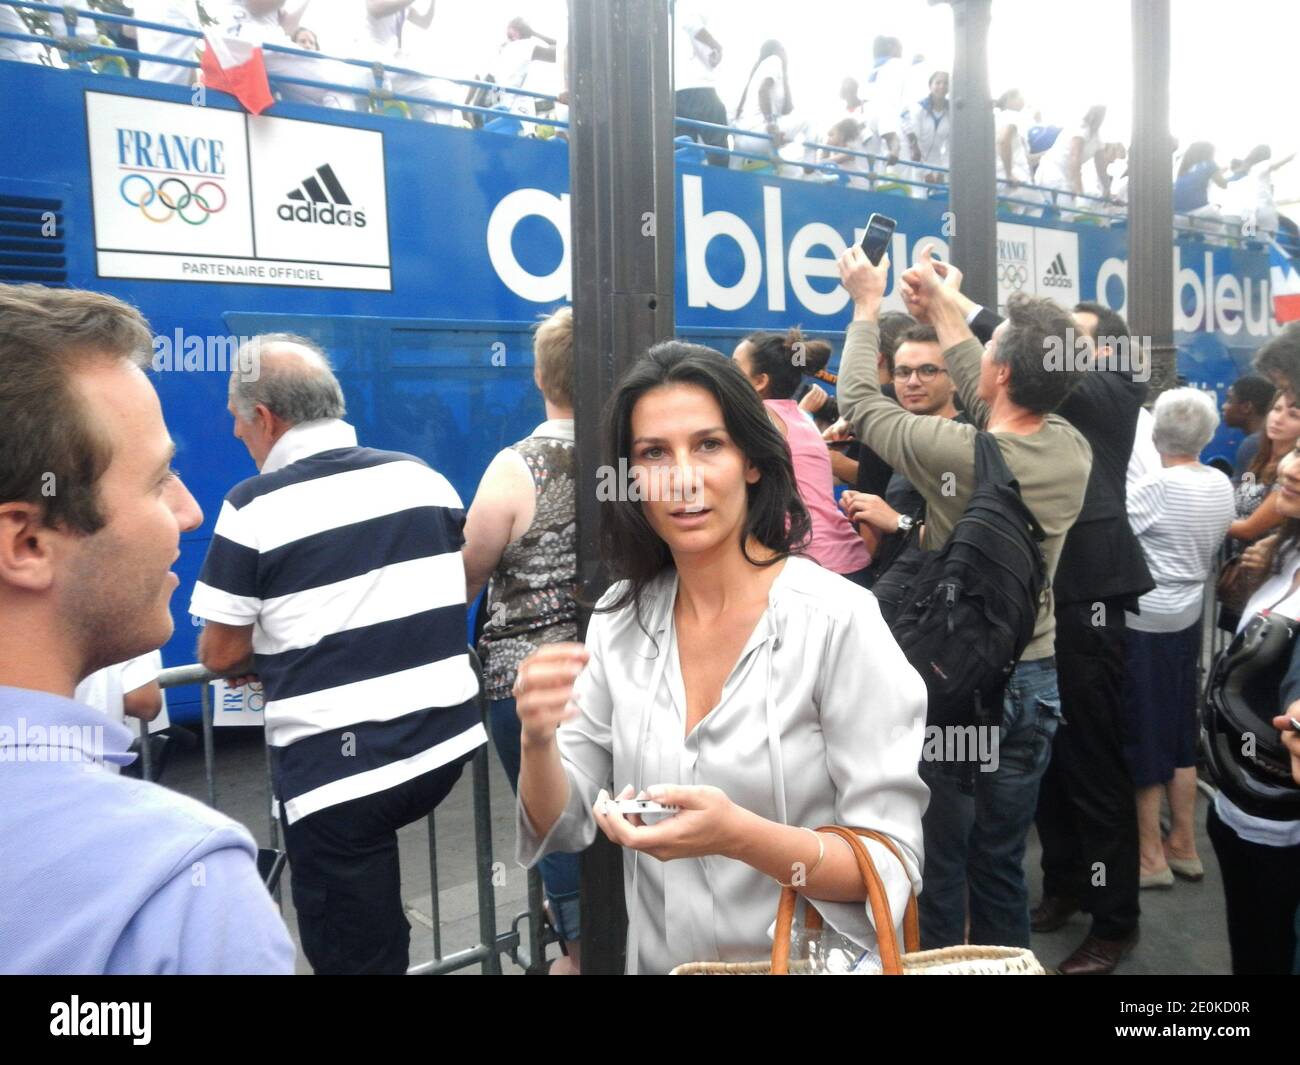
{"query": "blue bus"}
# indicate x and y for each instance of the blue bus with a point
(420, 255)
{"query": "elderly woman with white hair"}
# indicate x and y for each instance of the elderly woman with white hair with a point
(1180, 514)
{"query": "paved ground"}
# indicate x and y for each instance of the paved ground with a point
(1183, 929)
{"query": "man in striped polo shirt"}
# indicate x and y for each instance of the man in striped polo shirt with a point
(335, 575)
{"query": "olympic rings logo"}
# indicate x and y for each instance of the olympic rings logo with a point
(174, 196)
(1013, 275)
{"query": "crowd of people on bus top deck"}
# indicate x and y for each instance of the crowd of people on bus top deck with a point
(889, 130)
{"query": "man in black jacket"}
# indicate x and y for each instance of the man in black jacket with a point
(1087, 818)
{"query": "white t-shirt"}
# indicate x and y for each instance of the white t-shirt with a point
(1252, 829)
(173, 13)
(752, 116)
(257, 29)
(691, 68)
(932, 130)
(513, 64)
(1251, 197)
(23, 51)
(1019, 145)
(106, 689)
(1180, 515)
(884, 93)
(1145, 459)
(1053, 167)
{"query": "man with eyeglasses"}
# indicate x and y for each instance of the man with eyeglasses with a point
(891, 524)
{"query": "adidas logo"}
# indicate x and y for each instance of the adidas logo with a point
(1057, 276)
(321, 199)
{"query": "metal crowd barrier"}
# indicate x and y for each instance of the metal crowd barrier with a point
(525, 950)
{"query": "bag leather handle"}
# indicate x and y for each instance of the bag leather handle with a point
(876, 896)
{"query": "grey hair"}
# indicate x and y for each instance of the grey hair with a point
(298, 392)
(1186, 418)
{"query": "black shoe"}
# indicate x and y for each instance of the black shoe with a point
(1098, 957)
(1052, 913)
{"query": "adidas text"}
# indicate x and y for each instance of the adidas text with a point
(327, 215)
(321, 199)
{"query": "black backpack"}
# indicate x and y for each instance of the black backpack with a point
(969, 612)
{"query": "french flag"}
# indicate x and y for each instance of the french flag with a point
(237, 67)
(1284, 279)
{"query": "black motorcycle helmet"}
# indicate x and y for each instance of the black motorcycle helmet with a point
(1245, 752)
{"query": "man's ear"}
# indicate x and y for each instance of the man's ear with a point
(264, 419)
(27, 548)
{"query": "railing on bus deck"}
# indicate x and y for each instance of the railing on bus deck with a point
(491, 944)
(1046, 205)
(81, 52)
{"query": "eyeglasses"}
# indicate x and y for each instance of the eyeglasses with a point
(926, 373)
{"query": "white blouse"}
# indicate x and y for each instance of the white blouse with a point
(821, 721)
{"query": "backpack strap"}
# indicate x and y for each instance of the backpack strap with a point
(991, 468)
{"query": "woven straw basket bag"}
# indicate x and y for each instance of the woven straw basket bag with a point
(949, 961)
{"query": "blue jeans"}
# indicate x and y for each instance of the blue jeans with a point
(559, 871)
(975, 844)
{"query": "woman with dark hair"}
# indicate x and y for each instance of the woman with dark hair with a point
(722, 675)
(767, 107)
(775, 364)
(1012, 130)
(1195, 172)
(1256, 502)
(1258, 843)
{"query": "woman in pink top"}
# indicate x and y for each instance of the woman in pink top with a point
(775, 365)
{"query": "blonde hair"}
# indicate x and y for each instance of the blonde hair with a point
(553, 356)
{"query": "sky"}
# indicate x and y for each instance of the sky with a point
(1230, 82)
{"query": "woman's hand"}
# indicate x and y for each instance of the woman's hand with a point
(707, 823)
(1255, 558)
(864, 507)
(840, 432)
(544, 690)
(814, 399)
(1290, 737)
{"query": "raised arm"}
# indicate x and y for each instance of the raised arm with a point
(291, 16)
(920, 448)
(1074, 166)
(937, 287)
(562, 770)
(425, 20)
(380, 8)
(1004, 150)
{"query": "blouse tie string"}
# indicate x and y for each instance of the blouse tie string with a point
(638, 782)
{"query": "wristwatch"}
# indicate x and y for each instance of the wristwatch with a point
(906, 523)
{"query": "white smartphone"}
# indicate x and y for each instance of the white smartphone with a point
(642, 806)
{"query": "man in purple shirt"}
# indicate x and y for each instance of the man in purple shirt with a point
(100, 873)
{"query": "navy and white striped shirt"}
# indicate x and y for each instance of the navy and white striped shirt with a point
(347, 563)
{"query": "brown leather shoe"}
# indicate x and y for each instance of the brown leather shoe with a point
(1098, 957)
(1051, 913)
